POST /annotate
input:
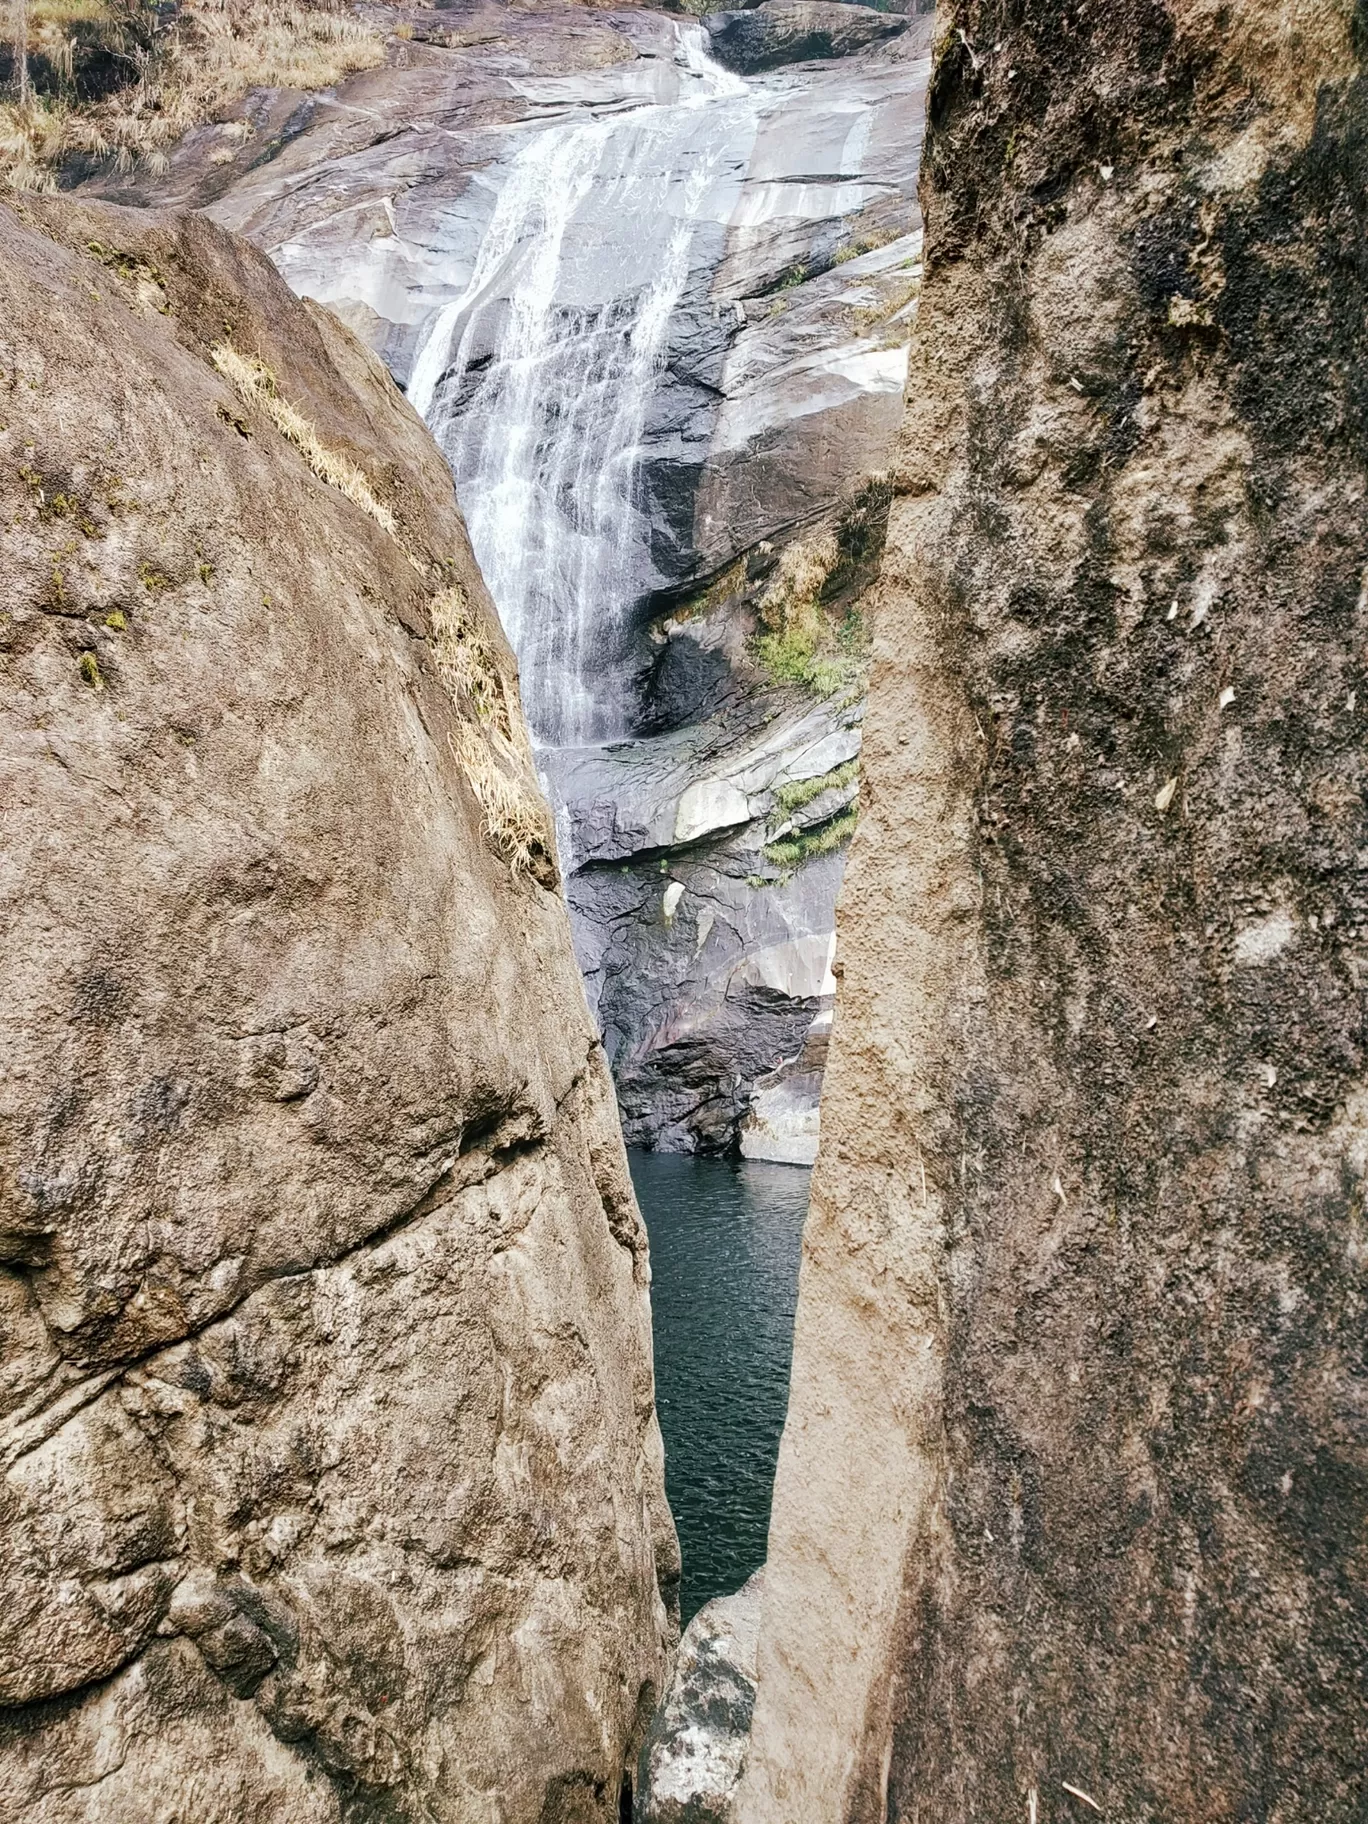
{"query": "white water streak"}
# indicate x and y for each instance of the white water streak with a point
(538, 389)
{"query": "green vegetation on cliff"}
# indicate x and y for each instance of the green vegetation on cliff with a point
(803, 791)
(813, 633)
(806, 845)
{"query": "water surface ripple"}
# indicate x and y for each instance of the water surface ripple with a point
(724, 1259)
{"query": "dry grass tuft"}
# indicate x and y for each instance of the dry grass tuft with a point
(803, 570)
(492, 750)
(183, 70)
(255, 385)
(801, 643)
(467, 661)
(515, 818)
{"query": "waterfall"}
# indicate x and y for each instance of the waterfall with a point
(537, 381)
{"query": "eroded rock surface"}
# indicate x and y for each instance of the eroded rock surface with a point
(333, 1487)
(695, 1752)
(1073, 1497)
(794, 31)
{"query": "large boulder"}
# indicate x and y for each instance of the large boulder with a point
(1071, 1517)
(796, 31)
(332, 1482)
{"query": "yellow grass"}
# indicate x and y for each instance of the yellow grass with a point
(210, 54)
(255, 385)
(466, 659)
(514, 812)
(492, 751)
(803, 569)
(801, 644)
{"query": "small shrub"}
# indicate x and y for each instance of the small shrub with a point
(802, 643)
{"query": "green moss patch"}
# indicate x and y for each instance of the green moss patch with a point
(802, 791)
(806, 845)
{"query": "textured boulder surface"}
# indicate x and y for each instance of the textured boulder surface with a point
(333, 1487)
(1072, 1505)
(796, 31)
(695, 1751)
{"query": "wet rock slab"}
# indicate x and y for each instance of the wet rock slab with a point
(705, 962)
(780, 386)
(796, 31)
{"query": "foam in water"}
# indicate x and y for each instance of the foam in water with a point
(537, 381)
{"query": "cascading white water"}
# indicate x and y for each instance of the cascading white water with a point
(537, 381)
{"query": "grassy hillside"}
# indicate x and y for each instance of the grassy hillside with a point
(87, 81)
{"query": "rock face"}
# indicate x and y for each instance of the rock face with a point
(695, 1752)
(707, 961)
(778, 392)
(1073, 1496)
(333, 1487)
(795, 31)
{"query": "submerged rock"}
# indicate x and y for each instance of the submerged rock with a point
(1072, 1499)
(796, 31)
(695, 1750)
(332, 1481)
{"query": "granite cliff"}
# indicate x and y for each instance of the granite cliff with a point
(332, 1481)
(1070, 1513)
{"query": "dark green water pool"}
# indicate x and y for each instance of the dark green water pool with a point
(724, 1260)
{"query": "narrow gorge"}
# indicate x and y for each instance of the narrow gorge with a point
(656, 315)
(787, 588)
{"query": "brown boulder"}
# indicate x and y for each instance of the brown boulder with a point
(333, 1477)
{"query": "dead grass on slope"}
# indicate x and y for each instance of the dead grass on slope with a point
(489, 742)
(491, 751)
(156, 78)
(255, 385)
